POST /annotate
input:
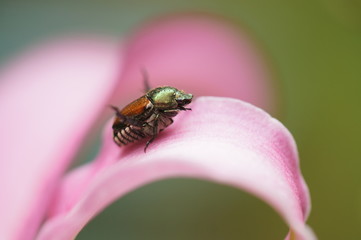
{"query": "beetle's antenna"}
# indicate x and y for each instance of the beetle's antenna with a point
(145, 80)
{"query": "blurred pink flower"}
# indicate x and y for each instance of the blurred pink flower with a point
(51, 98)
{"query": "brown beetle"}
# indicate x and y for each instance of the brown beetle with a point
(148, 115)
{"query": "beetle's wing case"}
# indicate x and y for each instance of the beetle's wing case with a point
(136, 107)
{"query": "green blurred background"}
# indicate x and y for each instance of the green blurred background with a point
(315, 50)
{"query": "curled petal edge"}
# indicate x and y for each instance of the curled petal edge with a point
(246, 148)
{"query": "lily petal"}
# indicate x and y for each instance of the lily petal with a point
(222, 140)
(49, 99)
(204, 55)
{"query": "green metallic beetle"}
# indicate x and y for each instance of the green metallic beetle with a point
(148, 115)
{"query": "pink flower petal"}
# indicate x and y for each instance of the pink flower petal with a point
(222, 140)
(49, 99)
(206, 56)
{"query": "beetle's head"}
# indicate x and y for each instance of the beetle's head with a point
(169, 98)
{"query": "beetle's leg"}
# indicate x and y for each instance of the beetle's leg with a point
(170, 110)
(177, 110)
(170, 113)
(165, 123)
(145, 80)
(155, 132)
(184, 109)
